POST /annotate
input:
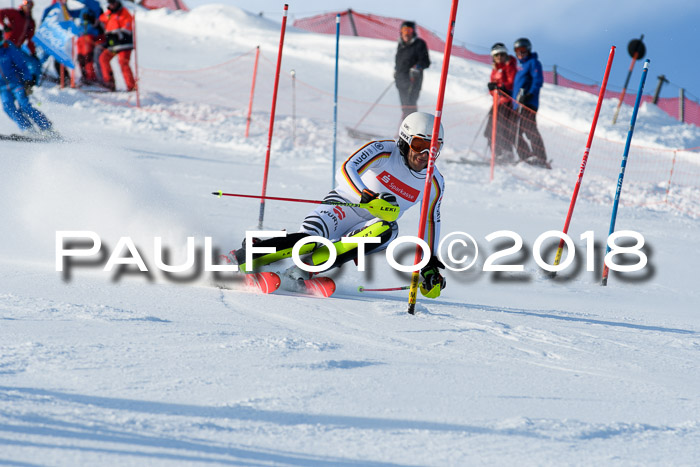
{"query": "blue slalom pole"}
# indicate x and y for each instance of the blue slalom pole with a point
(335, 97)
(623, 165)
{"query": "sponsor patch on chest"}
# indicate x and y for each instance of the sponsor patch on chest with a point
(398, 187)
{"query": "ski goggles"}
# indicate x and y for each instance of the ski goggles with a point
(419, 144)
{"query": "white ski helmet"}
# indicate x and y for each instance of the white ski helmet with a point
(417, 124)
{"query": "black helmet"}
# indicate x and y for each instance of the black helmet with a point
(523, 42)
(409, 24)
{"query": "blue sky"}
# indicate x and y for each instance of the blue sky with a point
(574, 35)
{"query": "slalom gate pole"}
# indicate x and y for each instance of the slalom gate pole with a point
(294, 107)
(413, 289)
(335, 98)
(494, 121)
(272, 118)
(623, 165)
(72, 57)
(627, 82)
(136, 64)
(252, 92)
(390, 289)
(62, 68)
(373, 105)
(624, 90)
(584, 161)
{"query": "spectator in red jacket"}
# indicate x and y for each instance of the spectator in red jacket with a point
(119, 37)
(502, 77)
(19, 25)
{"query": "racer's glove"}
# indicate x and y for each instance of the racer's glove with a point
(368, 195)
(492, 86)
(433, 282)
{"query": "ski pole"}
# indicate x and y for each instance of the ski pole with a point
(520, 117)
(377, 207)
(584, 161)
(374, 105)
(362, 289)
(623, 165)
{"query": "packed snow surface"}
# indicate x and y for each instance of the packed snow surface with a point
(509, 368)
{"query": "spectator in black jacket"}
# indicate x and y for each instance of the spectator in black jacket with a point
(411, 59)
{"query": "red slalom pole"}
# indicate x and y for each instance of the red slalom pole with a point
(494, 122)
(413, 290)
(635, 57)
(601, 95)
(252, 90)
(136, 64)
(272, 118)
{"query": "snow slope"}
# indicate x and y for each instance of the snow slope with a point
(126, 368)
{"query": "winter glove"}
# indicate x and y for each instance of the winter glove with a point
(433, 282)
(389, 198)
(524, 98)
(28, 87)
(368, 195)
(414, 74)
(492, 86)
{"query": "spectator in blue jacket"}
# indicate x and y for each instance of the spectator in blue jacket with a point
(14, 78)
(526, 92)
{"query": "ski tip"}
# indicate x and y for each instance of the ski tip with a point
(265, 282)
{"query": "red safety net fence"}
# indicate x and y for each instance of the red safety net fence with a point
(218, 96)
(383, 27)
(169, 4)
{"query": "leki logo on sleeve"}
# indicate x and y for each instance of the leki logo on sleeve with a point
(397, 186)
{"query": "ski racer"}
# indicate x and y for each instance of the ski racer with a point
(14, 78)
(393, 171)
(119, 35)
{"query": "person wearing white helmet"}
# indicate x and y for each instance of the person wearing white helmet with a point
(501, 83)
(390, 170)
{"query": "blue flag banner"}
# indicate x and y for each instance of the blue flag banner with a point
(55, 35)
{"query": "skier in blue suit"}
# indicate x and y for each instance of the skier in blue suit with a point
(526, 92)
(14, 77)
